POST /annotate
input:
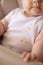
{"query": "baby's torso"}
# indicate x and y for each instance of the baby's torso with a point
(22, 32)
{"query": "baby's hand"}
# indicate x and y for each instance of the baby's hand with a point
(28, 56)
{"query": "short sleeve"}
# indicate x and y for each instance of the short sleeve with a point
(42, 28)
(40, 25)
(9, 16)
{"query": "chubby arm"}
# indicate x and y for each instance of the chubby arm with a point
(3, 26)
(37, 49)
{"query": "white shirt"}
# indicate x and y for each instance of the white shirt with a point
(23, 30)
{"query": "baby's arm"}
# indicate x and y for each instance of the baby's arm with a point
(3, 26)
(37, 50)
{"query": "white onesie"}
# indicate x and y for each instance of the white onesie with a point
(22, 31)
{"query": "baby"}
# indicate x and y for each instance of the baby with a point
(23, 28)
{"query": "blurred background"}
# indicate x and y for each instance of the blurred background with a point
(7, 5)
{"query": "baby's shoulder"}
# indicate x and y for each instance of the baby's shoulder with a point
(17, 10)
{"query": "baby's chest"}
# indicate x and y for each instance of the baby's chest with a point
(23, 26)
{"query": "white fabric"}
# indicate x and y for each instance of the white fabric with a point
(23, 30)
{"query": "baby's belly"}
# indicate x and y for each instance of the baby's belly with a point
(17, 42)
